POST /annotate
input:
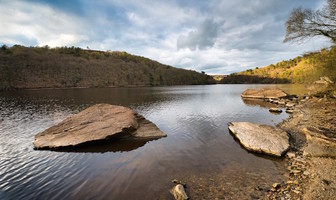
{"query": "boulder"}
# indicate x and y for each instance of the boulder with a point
(318, 145)
(261, 138)
(319, 86)
(264, 93)
(97, 123)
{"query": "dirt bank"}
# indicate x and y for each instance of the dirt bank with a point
(312, 158)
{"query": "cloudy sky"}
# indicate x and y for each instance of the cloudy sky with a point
(215, 36)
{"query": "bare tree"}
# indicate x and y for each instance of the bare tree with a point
(307, 23)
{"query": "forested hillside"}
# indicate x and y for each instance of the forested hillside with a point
(302, 69)
(44, 67)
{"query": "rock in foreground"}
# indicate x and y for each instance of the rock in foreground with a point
(179, 193)
(97, 123)
(261, 138)
(264, 93)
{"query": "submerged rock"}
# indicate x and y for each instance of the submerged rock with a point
(264, 93)
(276, 110)
(261, 138)
(97, 123)
(178, 192)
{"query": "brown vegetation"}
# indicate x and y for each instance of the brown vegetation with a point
(62, 67)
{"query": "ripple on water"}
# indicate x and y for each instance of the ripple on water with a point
(198, 145)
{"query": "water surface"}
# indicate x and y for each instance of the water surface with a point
(198, 147)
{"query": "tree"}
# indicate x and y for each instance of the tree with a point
(307, 23)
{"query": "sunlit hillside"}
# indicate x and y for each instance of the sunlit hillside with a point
(302, 69)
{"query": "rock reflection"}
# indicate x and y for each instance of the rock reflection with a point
(122, 145)
(257, 102)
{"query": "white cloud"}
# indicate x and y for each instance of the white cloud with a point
(187, 34)
(26, 23)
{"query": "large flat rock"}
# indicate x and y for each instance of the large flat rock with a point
(97, 123)
(264, 93)
(261, 138)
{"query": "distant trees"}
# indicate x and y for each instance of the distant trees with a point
(61, 67)
(306, 23)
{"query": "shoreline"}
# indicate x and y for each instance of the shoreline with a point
(126, 86)
(311, 159)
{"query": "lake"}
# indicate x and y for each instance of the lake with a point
(198, 149)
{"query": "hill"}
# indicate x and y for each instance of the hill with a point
(302, 69)
(63, 67)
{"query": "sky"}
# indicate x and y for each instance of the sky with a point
(214, 36)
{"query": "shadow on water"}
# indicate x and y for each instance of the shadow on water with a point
(115, 145)
(257, 102)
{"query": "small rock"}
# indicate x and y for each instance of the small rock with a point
(276, 185)
(290, 111)
(327, 182)
(178, 192)
(295, 171)
(296, 191)
(290, 104)
(296, 182)
(282, 103)
(255, 195)
(277, 110)
(306, 173)
(291, 155)
(258, 188)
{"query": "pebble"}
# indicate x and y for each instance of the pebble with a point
(289, 111)
(290, 154)
(306, 173)
(276, 185)
(296, 191)
(295, 171)
(278, 110)
(282, 103)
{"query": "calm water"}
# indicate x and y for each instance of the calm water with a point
(198, 144)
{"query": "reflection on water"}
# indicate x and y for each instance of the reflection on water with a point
(122, 145)
(257, 102)
(198, 144)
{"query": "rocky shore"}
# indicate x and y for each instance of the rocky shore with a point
(312, 157)
(308, 167)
